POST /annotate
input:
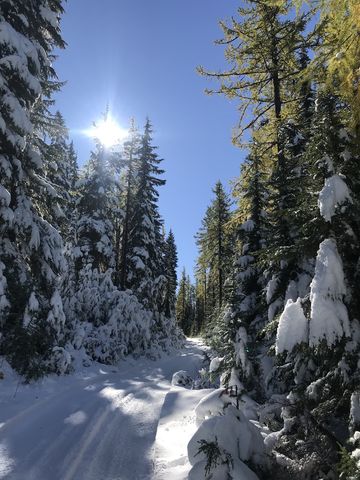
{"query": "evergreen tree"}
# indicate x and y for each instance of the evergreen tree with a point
(214, 251)
(61, 172)
(94, 230)
(30, 248)
(124, 231)
(171, 260)
(146, 275)
(185, 304)
(243, 316)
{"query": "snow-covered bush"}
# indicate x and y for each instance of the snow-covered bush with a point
(223, 443)
(228, 439)
(60, 361)
(110, 324)
(181, 379)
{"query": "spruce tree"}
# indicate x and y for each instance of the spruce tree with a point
(241, 321)
(146, 275)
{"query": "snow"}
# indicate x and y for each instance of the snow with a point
(292, 328)
(215, 364)
(271, 288)
(6, 462)
(212, 404)
(176, 426)
(181, 378)
(240, 346)
(291, 291)
(56, 316)
(355, 410)
(329, 275)
(248, 226)
(273, 309)
(4, 303)
(49, 16)
(5, 196)
(33, 303)
(335, 192)
(235, 435)
(100, 422)
(329, 317)
(76, 418)
(239, 471)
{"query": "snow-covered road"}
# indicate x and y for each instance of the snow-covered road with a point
(98, 427)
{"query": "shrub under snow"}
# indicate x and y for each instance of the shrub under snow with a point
(226, 438)
(222, 444)
(110, 323)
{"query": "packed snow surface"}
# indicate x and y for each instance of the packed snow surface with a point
(101, 423)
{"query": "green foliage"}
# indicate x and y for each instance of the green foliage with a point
(185, 305)
(214, 455)
(215, 246)
(347, 467)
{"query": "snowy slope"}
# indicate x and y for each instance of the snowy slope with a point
(100, 425)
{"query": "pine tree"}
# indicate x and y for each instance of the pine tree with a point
(30, 248)
(267, 49)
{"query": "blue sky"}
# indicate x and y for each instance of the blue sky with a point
(140, 57)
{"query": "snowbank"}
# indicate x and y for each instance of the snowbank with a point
(225, 439)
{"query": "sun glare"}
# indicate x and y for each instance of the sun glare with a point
(108, 132)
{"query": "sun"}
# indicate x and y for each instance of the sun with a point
(108, 132)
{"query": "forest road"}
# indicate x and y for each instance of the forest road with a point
(98, 428)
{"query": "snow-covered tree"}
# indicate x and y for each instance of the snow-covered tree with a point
(242, 318)
(170, 259)
(94, 230)
(30, 246)
(146, 271)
